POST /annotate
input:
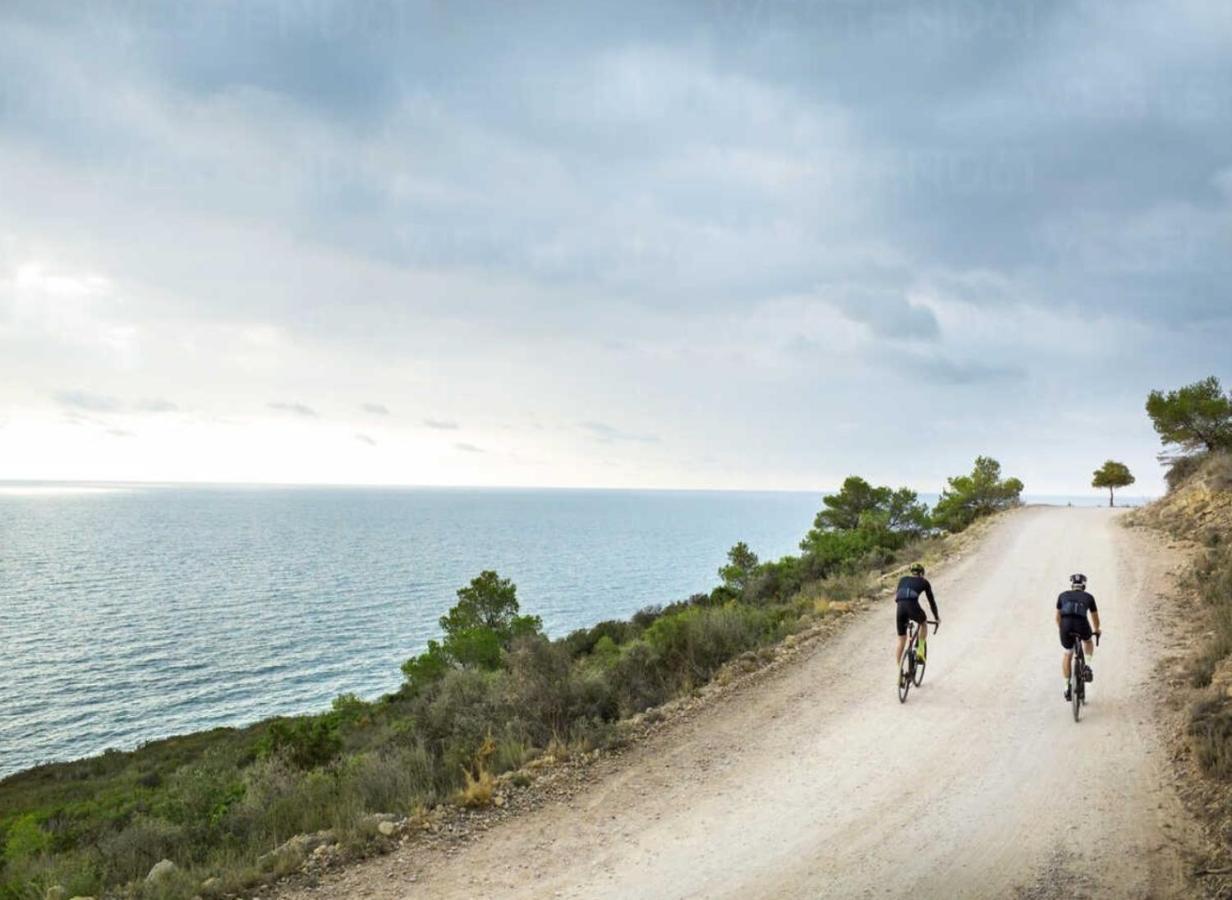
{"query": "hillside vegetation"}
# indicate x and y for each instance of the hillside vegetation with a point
(1195, 425)
(230, 808)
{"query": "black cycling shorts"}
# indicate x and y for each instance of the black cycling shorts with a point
(909, 609)
(1069, 625)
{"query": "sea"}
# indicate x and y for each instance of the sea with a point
(134, 612)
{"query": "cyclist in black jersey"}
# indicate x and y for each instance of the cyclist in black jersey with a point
(907, 598)
(1072, 608)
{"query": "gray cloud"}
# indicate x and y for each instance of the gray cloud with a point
(468, 448)
(376, 409)
(87, 401)
(365, 439)
(119, 432)
(298, 409)
(440, 424)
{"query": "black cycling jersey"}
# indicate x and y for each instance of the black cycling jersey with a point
(910, 587)
(1076, 604)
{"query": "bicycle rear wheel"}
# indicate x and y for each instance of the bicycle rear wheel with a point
(1075, 685)
(905, 674)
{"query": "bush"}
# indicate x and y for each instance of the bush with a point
(1210, 730)
(463, 709)
(550, 694)
(1181, 468)
(583, 641)
(393, 780)
(306, 743)
(1212, 576)
(691, 645)
(131, 851)
(25, 840)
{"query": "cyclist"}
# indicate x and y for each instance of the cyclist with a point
(1072, 608)
(910, 587)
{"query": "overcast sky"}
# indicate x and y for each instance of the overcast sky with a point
(730, 244)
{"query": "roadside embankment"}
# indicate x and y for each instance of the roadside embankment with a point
(1196, 515)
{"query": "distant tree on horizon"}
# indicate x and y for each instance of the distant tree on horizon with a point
(1112, 475)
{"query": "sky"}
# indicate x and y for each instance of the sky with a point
(738, 244)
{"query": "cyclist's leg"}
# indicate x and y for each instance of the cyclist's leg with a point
(900, 626)
(922, 621)
(1067, 646)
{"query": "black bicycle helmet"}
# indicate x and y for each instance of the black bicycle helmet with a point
(917, 568)
(1078, 580)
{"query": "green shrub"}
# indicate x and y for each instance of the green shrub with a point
(393, 780)
(692, 644)
(25, 839)
(583, 641)
(549, 694)
(306, 742)
(638, 680)
(461, 711)
(131, 851)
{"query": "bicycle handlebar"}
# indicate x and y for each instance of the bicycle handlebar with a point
(936, 623)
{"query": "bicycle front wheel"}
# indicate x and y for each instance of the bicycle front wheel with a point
(919, 672)
(1075, 688)
(904, 676)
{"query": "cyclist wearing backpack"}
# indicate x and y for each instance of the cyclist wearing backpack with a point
(907, 598)
(1072, 608)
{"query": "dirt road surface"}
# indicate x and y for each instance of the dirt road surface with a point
(818, 783)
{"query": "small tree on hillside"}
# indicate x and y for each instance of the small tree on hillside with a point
(741, 564)
(844, 507)
(478, 629)
(1112, 475)
(967, 497)
(1196, 417)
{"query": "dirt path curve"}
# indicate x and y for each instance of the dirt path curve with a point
(818, 783)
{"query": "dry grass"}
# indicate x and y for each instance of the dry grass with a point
(1210, 734)
(480, 784)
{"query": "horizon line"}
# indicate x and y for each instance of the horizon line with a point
(494, 487)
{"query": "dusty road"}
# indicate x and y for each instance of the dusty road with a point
(818, 783)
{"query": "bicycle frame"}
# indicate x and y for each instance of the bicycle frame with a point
(908, 663)
(1077, 667)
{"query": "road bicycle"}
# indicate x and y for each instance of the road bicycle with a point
(1078, 674)
(911, 667)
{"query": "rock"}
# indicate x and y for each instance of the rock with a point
(498, 800)
(162, 869)
(386, 828)
(81, 897)
(55, 892)
(211, 884)
(295, 848)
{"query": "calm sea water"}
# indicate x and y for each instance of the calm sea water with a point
(131, 613)
(134, 613)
